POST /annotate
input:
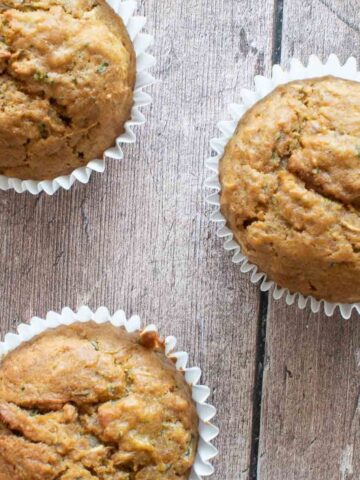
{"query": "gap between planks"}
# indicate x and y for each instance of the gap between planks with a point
(264, 296)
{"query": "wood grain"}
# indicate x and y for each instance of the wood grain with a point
(321, 27)
(310, 408)
(138, 237)
(310, 414)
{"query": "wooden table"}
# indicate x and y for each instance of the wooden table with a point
(285, 382)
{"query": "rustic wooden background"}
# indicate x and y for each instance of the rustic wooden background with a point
(286, 382)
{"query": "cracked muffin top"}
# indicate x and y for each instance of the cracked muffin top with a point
(290, 187)
(67, 74)
(92, 401)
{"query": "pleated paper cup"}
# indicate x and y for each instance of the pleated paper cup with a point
(141, 42)
(263, 86)
(200, 393)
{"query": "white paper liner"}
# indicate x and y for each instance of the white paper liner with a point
(141, 42)
(200, 393)
(263, 86)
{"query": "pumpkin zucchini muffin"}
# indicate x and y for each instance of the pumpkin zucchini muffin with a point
(67, 74)
(91, 401)
(290, 180)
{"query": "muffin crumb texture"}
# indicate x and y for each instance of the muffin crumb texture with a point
(67, 74)
(290, 180)
(94, 402)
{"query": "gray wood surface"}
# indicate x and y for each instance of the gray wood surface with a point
(138, 238)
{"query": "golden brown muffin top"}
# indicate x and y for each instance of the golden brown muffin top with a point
(67, 73)
(290, 181)
(92, 401)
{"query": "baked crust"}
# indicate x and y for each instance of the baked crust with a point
(67, 74)
(93, 401)
(290, 180)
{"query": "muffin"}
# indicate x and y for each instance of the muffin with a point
(67, 74)
(92, 401)
(290, 187)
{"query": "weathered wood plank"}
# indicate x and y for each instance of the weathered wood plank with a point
(310, 414)
(321, 27)
(138, 237)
